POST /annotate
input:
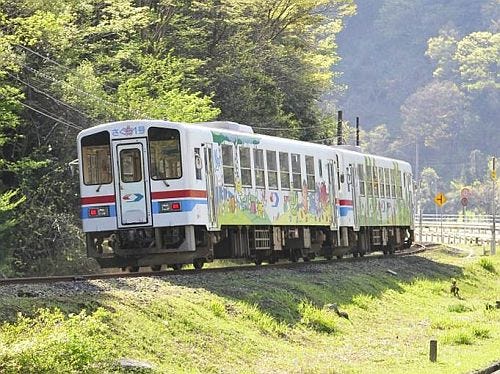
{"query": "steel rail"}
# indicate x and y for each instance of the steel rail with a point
(415, 249)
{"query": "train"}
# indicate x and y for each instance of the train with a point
(158, 193)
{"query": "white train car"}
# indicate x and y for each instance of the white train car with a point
(157, 192)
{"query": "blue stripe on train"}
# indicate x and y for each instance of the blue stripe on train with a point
(344, 210)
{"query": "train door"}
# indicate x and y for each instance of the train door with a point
(333, 192)
(210, 179)
(353, 171)
(132, 183)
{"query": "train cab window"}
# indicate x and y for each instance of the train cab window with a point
(245, 167)
(311, 181)
(258, 160)
(96, 159)
(272, 170)
(284, 171)
(164, 153)
(130, 165)
(296, 172)
(228, 164)
(375, 181)
(369, 184)
(361, 178)
(387, 182)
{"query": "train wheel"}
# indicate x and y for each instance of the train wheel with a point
(362, 254)
(340, 256)
(306, 259)
(198, 263)
(133, 269)
(156, 267)
(385, 251)
(176, 266)
(355, 254)
(258, 261)
(328, 258)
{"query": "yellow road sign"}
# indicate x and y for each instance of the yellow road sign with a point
(440, 199)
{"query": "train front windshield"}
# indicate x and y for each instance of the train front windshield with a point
(164, 153)
(96, 159)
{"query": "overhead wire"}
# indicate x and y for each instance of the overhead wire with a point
(51, 78)
(64, 122)
(49, 96)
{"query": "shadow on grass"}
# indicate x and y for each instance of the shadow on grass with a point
(279, 293)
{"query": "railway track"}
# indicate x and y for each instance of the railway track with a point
(415, 249)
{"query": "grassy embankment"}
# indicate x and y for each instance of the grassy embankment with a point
(263, 321)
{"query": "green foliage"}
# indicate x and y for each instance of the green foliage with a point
(459, 308)
(487, 265)
(363, 301)
(51, 342)
(319, 320)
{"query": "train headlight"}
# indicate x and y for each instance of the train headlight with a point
(170, 206)
(99, 211)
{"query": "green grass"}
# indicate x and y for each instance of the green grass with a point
(266, 321)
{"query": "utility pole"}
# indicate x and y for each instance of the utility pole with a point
(493, 206)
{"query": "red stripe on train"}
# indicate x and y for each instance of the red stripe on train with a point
(344, 202)
(178, 193)
(97, 199)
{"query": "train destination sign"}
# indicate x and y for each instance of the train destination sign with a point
(440, 199)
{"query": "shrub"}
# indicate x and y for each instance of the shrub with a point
(487, 265)
(363, 301)
(459, 337)
(317, 319)
(459, 308)
(218, 308)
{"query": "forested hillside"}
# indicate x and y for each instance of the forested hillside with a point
(426, 72)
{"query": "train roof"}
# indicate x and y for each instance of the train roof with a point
(237, 129)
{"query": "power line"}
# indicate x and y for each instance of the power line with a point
(48, 95)
(69, 124)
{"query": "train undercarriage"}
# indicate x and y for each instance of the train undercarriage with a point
(180, 245)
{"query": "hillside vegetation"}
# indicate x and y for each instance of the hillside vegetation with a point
(263, 321)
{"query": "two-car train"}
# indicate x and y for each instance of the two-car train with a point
(159, 193)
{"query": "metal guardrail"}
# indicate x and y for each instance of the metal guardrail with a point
(455, 229)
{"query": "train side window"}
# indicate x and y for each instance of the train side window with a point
(164, 153)
(272, 170)
(284, 171)
(130, 165)
(311, 180)
(399, 178)
(258, 160)
(381, 182)
(361, 178)
(337, 164)
(246, 167)
(96, 159)
(320, 167)
(197, 163)
(387, 182)
(375, 181)
(296, 171)
(393, 183)
(228, 164)
(369, 185)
